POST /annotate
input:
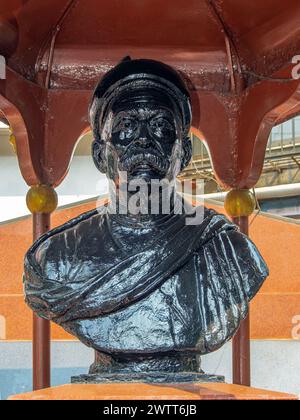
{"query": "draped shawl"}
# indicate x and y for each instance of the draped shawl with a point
(209, 273)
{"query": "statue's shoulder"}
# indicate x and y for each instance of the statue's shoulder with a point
(232, 252)
(85, 221)
(58, 247)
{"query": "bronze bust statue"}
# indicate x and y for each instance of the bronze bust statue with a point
(149, 292)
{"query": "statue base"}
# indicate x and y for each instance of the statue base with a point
(147, 377)
(155, 368)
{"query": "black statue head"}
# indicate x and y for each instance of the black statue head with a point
(140, 115)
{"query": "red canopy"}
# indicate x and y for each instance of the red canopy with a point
(235, 55)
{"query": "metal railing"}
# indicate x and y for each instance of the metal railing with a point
(284, 141)
(282, 149)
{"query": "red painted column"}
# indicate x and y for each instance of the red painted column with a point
(41, 327)
(41, 201)
(239, 205)
(241, 365)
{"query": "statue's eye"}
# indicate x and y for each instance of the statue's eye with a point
(160, 124)
(127, 124)
(125, 127)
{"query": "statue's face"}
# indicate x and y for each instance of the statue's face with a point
(141, 134)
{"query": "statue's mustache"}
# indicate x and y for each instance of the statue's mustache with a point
(148, 157)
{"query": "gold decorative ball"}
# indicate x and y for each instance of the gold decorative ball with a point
(41, 199)
(239, 203)
(13, 141)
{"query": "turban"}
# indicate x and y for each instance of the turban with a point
(131, 76)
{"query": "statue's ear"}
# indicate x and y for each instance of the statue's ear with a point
(187, 152)
(98, 153)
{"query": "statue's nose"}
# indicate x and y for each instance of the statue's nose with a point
(143, 138)
(142, 142)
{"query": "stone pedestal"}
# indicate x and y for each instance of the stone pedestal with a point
(156, 368)
(149, 377)
(142, 391)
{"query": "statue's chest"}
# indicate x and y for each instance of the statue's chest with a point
(166, 319)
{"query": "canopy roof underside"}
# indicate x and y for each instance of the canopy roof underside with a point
(197, 37)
